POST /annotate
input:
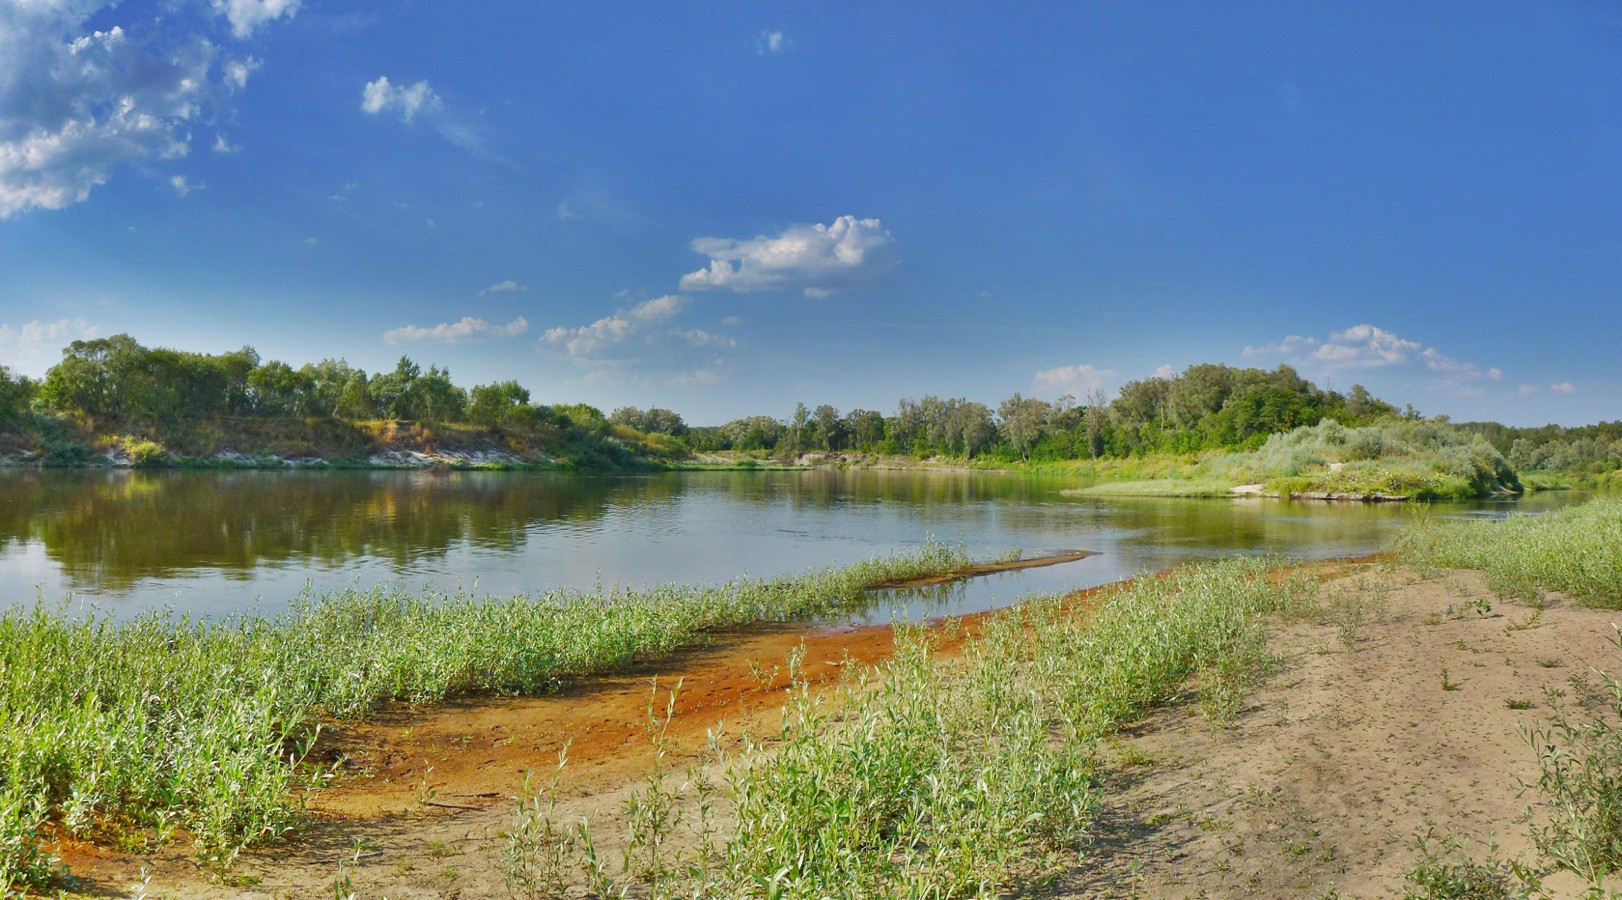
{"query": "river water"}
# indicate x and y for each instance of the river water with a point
(214, 543)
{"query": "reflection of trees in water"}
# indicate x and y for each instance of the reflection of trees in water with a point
(1247, 524)
(110, 529)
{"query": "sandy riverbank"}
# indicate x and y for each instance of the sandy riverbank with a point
(1393, 712)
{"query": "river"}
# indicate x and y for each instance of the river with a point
(214, 543)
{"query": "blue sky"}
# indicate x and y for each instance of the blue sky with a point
(725, 208)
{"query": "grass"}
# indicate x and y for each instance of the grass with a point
(932, 777)
(1576, 821)
(1577, 551)
(1421, 460)
(165, 726)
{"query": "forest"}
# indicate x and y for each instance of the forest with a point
(167, 406)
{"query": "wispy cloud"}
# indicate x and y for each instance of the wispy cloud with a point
(1370, 347)
(34, 340)
(466, 330)
(772, 41)
(1564, 387)
(815, 259)
(1078, 381)
(644, 343)
(182, 186)
(502, 287)
(420, 101)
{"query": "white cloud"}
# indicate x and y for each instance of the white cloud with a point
(732, 320)
(1077, 381)
(221, 145)
(246, 15)
(642, 343)
(502, 287)
(1370, 347)
(817, 259)
(468, 329)
(1164, 372)
(1526, 390)
(566, 213)
(588, 342)
(34, 340)
(698, 337)
(772, 41)
(380, 95)
(76, 103)
(1564, 387)
(182, 186)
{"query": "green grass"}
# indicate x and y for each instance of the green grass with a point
(146, 727)
(1399, 459)
(939, 778)
(1577, 551)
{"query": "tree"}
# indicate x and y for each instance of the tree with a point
(1022, 421)
(493, 404)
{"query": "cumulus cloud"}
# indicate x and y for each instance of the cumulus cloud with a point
(502, 287)
(772, 41)
(817, 259)
(182, 186)
(1077, 381)
(236, 72)
(76, 103)
(464, 331)
(1370, 347)
(380, 96)
(246, 15)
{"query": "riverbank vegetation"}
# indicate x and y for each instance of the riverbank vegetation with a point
(135, 732)
(1576, 551)
(1396, 459)
(934, 776)
(112, 400)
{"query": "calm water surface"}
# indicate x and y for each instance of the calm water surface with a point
(216, 543)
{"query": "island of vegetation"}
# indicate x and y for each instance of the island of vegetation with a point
(1211, 430)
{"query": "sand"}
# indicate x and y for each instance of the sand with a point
(1358, 741)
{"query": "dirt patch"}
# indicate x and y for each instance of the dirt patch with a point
(424, 795)
(1366, 736)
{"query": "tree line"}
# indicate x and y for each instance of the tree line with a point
(1205, 407)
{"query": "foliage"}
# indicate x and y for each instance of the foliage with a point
(164, 722)
(932, 777)
(1577, 551)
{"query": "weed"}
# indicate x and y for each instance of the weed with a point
(1447, 684)
(1515, 703)
(1449, 872)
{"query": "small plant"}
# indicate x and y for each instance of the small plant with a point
(1449, 873)
(538, 854)
(1514, 703)
(1448, 684)
(1481, 606)
(1581, 784)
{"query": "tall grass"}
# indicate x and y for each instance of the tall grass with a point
(1577, 551)
(1422, 460)
(942, 778)
(131, 730)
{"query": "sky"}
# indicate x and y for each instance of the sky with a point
(725, 208)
